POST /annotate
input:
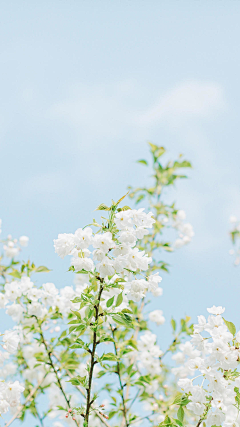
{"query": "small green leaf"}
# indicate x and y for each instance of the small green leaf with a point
(231, 326)
(119, 299)
(102, 207)
(143, 162)
(173, 323)
(42, 269)
(16, 274)
(180, 414)
(178, 398)
(110, 302)
(109, 356)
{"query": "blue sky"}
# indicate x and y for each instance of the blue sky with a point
(84, 85)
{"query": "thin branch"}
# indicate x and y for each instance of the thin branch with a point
(92, 362)
(104, 421)
(31, 394)
(118, 372)
(49, 353)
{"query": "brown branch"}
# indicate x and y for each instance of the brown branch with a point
(92, 362)
(83, 394)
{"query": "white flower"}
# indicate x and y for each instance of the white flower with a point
(98, 255)
(83, 238)
(4, 405)
(15, 311)
(12, 290)
(138, 260)
(233, 219)
(36, 309)
(106, 267)
(3, 300)
(64, 244)
(181, 215)
(11, 340)
(123, 219)
(103, 241)
(23, 240)
(238, 336)
(153, 281)
(128, 236)
(216, 310)
(10, 250)
(34, 294)
(137, 290)
(215, 418)
(185, 384)
(178, 243)
(82, 264)
(157, 317)
(141, 219)
(196, 407)
(25, 284)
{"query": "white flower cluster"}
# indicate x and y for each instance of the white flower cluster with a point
(212, 358)
(157, 317)
(10, 393)
(185, 230)
(12, 247)
(111, 257)
(148, 354)
(37, 300)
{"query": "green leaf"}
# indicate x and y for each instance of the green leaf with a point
(173, 323)
(42, 269)
(109, 356)
(231, 326)
(178, 398)
(119, 299)
(102, 207)
(16, 274)
(180, 414)
(143, 162)
(110, 302)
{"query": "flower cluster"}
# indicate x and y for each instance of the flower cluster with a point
(149, 353)
(12, 246)
(114, 255)
(211, 360)
(185, 230)
(10, 392)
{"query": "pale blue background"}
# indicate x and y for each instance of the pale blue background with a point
(84, 85)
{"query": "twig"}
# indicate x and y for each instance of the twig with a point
(26, 401)
(120, 381)
(54, 370)
(83, 394)
(132, 359)
(92, 362)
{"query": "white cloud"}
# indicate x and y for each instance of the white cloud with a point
(45, 183)
(114, 110)
(186, 101)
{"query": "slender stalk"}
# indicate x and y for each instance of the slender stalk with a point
(104, 421)
(92, 361)
(133, 358)
(31, 394)
(49, 353)
(120, 382)
(39, 417)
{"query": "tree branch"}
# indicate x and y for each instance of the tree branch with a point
(92, 362)
(120, 382)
